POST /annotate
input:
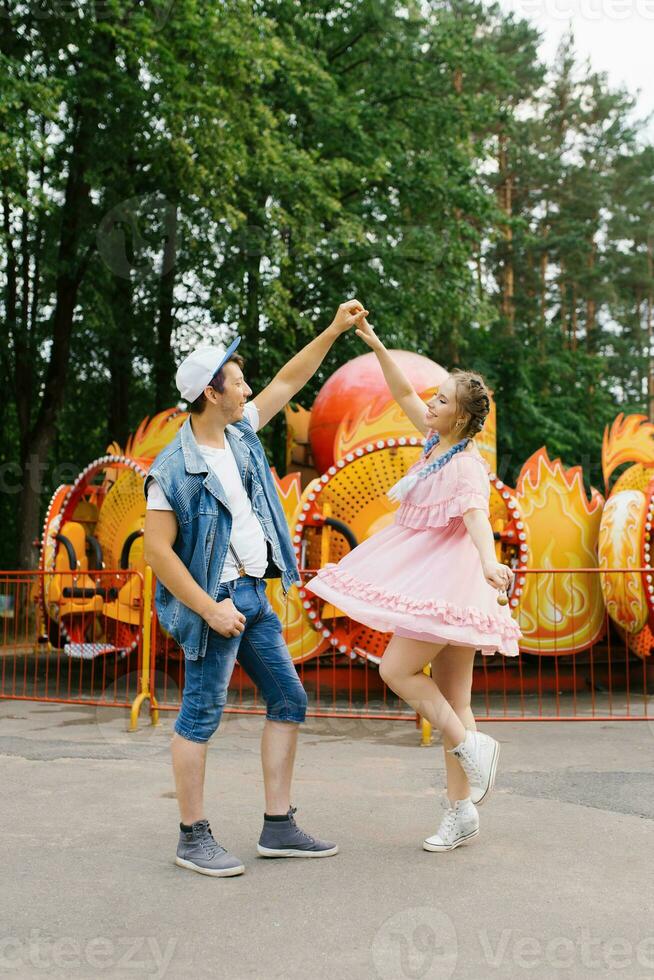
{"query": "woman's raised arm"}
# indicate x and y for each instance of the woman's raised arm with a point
(401, 388)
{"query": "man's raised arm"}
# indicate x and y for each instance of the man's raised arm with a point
(301, 368)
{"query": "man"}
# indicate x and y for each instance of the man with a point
(214, 530)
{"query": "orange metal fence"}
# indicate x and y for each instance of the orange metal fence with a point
(574, 664)
(83, 642)
(70, 636)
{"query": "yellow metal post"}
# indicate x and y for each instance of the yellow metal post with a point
(425, 725)
(145, 693)
(325, 537)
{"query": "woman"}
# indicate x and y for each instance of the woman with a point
(432, 578)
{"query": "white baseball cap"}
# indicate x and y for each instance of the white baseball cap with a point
(199, 367)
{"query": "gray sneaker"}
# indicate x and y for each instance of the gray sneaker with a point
(283, 838)
(198, 851)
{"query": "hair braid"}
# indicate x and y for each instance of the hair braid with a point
(473, 399)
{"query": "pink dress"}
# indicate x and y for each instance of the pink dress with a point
(421, 577)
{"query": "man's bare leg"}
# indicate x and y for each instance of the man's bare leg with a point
(189, 765)
(278, 746)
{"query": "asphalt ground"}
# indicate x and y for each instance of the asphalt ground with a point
(559, 882)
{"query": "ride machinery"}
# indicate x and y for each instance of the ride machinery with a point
(342, 457)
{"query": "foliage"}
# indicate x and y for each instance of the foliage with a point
(172, 172)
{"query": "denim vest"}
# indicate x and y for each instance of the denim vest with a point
(204, 519)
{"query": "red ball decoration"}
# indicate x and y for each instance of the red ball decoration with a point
(360, 385)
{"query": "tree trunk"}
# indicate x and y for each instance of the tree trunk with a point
(563, 311)
(164, 366)
(36, 447)
(120, 361)
(591, 306)
(543, 292)
(505, 203)
(251, 320)
(650, 331)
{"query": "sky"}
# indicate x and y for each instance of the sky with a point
(617, 36)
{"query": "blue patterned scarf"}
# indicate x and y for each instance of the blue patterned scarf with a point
(408, 482)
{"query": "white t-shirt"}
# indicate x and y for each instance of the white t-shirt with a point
(247, 535)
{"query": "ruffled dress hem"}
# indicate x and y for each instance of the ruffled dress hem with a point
(429, 620)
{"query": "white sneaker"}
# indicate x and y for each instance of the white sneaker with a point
(478, 755)
(477, 795)
(459, 825)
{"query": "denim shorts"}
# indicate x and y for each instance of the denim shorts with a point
(260, 650)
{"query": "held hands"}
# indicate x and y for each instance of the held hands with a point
(498, 575)
(224, 618)
(348, 314)
(368, 335)
(352, 314)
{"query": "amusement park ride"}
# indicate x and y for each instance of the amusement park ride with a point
(342, 457)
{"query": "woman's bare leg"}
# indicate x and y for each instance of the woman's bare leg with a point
(452, 672)
(401, 668)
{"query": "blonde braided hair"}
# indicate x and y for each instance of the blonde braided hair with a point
(472, 399)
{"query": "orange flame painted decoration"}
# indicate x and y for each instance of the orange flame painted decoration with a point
(390, 422)
(301, 638)
(387, 422)
(152, 435)
(619, 547)
(559, 613)
(629, 439)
